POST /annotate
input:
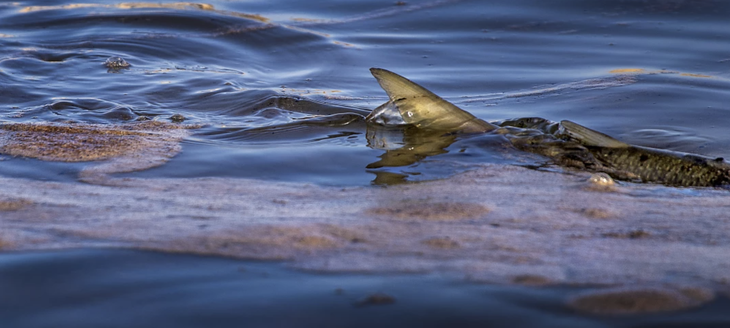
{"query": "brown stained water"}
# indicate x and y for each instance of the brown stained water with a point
(277, 91)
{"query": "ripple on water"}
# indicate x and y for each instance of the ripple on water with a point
(280, 88)
(278, 91)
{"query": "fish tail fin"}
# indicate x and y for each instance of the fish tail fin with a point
(424, 109)
(590, 137)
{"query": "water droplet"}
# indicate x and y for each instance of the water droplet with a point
(601, 179)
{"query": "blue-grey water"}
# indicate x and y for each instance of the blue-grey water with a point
(118, 288)
(259, 74)
(281, 88)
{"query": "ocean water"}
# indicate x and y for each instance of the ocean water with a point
(281, 87)
(279, 91)
(119, 288)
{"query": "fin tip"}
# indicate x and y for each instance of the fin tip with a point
(590, 137)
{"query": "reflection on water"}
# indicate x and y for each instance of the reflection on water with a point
(281, 87)
(403, 147)
(279, 91)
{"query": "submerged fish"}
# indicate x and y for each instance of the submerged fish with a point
(651, 164)
(566, 143)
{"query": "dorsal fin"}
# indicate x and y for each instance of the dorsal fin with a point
(424, 109)
(591, 137)
(398, 87)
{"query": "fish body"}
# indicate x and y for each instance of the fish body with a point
(566, 143)
(669, 168)
(646, 164)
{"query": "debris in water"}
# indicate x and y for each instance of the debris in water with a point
(430, 210)
(177, 118)
(125, 147)
(441, 243)
(639, 300)
(114, 64)
(376, 299)
(13, 204)
(531, 280)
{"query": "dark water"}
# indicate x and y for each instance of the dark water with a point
(115, 288)
(282, 88)
(282, 85)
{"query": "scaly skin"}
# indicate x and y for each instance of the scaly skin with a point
(665, 167)
(574, 146)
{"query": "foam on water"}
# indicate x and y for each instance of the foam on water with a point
(279, 90)
(493, 224)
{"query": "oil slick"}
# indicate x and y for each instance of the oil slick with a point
(566, 144)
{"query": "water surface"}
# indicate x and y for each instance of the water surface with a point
(281, 88)
(262, 75)
(164, 290)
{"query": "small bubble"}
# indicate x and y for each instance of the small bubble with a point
(601, 179)
(410, 114)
